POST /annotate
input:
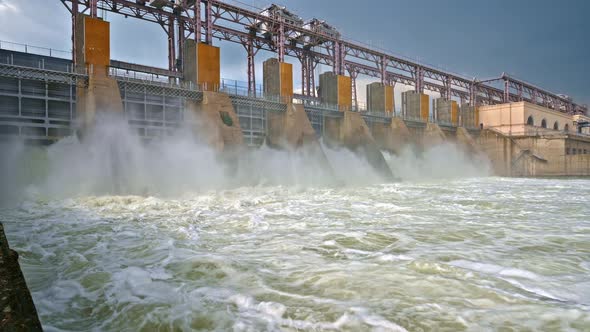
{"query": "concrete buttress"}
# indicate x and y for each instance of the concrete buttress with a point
(393, 136)
(432, 135)
(351, 131)
(216, 121)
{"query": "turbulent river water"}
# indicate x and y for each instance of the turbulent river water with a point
(454, 251)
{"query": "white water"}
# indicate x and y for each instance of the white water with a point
(189, 244)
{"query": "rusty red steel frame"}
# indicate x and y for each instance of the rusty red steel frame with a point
(206, 20)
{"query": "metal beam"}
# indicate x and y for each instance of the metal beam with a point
(228, 22)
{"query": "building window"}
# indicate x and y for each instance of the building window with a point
(566, 127)
(530, 121)
(556, 126)
(573, 151)
(544, 123)
(567, 151)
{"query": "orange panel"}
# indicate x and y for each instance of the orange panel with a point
(344, 92)
(96, 41)
(424, 107)
(208, 67)
(389, 102)
(286, 70)
(454, 112)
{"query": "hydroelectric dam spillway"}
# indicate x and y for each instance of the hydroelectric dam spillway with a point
(44, 97)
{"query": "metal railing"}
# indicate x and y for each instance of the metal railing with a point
(37, 50)
(534, 131)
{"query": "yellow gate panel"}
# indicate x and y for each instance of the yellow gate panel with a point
(454, 113)
(389, 99)
(344, 92)
(424, 107)
(96, 41)
(286, 70)
(208, 67)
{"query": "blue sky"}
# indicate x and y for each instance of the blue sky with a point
(541, 41)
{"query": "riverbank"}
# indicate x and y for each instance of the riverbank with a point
(18, 311)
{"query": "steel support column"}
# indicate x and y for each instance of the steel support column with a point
(473, 94)
(280, 42)
(303, 59)
(251, 53)
(448, 92)
(209, 23)
(383, 67)
(94, 8)
(312, 66)
(308, 65)
(419, 76)
(197, 21)
(74, 31)
(506, 97)
(180, 62)
(339, 55)
(353, 75)
(171, 46)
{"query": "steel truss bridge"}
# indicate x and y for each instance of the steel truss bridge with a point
(205, 20)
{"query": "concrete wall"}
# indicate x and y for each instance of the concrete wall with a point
(534, 156)
(464, 139)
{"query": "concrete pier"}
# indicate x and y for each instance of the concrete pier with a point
(446, 111)
(380, 98)
(289, 129)
(469, 116)
(393, 136)
(201, 65)
(432, 136)
(215, 116)
(336, 90)
(415, 106)
(93, 57)
(278, 80)
(352, 132)
(17, 310)
(216, 121)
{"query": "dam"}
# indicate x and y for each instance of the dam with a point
(43, 95)
(148, 198)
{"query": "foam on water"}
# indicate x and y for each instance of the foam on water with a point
(272, 246)
(279, 257)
